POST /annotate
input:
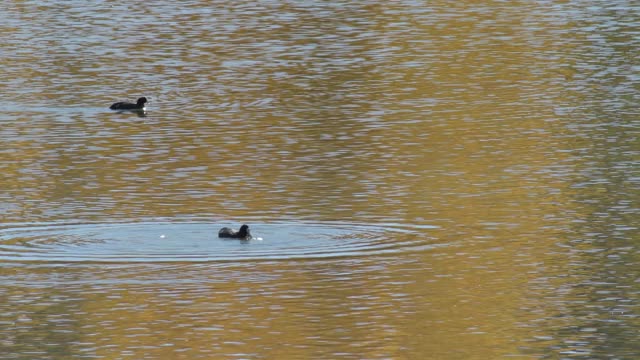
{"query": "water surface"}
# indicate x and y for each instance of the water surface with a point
(430, 180)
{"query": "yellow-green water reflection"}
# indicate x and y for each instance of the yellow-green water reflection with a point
(505, 132)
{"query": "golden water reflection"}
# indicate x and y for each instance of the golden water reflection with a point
(506, 126)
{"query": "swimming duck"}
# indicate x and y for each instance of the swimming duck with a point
(243, 233)
(129, 106)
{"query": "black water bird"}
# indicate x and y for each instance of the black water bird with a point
(243, 233)
(139, 105)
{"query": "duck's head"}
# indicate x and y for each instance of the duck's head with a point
(141, 101)
(244, 231)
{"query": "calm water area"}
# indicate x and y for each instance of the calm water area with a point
(424, 179)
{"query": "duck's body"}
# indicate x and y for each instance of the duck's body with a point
(243, 233)
(139, 105)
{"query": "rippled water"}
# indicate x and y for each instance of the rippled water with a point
(428, 180)
(196, 242)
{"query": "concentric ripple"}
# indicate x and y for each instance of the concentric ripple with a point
(198, 241)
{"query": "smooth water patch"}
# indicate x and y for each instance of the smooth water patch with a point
(198, 241)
